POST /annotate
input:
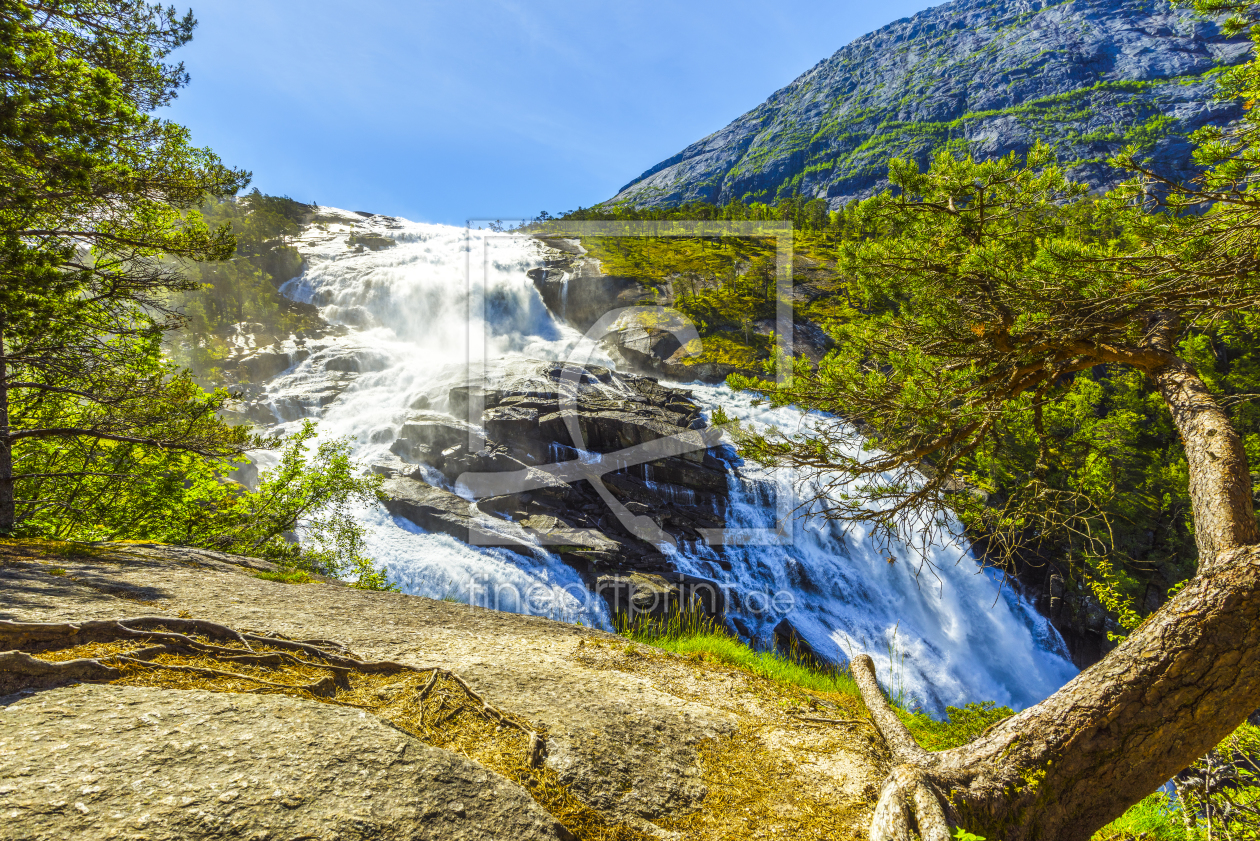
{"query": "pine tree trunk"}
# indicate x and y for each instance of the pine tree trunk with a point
(1179, 684)
(8, 508)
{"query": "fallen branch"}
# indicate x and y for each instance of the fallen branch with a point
(902, 745)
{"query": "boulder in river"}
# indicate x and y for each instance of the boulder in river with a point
(602, 468)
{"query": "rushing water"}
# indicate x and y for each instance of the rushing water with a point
(415, 324)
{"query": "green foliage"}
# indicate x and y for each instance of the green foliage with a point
(308, 494)
(960, 726)
(98, 195)
(286, 576)
(1101, 580)
(98, 482)
(1155, 818)
(245, 288)
(1232, 773)
(299, 517)
(803, 213)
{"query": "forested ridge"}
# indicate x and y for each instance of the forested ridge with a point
(985, 77)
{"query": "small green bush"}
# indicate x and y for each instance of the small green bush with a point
(285, 576)
(1156, 818)
(961, 725)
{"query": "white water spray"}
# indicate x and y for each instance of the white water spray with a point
(414, 326)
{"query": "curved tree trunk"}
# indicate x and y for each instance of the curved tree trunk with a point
(1176, 687)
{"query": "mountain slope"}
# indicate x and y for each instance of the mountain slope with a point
(985, 76)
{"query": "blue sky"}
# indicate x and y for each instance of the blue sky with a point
(446, 111)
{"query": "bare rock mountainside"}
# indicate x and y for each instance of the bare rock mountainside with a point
(987, 77)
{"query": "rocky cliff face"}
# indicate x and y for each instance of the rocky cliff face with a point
(987, 77)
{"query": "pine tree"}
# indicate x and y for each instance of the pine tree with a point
(96, 196)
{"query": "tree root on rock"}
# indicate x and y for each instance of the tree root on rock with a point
(909, 804)
(433, 704)
(80, 669)
(174, 637)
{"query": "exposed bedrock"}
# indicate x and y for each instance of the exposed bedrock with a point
(603, 469)
(205, 765)
(653, 339)
(218, 765)
(576, 290)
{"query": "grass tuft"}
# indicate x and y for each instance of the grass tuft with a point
(1156, 818)
(961, 725)
(285, 576)
(691, 633)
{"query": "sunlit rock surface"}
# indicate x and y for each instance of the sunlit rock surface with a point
(987, 77)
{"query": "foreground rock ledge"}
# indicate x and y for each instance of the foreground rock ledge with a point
(207, 764)
(626, 727)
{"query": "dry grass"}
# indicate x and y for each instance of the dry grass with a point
(778, 775)
(755, 792)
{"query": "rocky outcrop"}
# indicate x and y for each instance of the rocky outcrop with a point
(133, 762)
(647, 336)
(791, 643)
(1089, 76)
(1073, 610)
(604, 469)
(576, 290)
(626, 731)
(656, 597)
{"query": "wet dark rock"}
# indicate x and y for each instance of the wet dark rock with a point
(574, 288)
(356, 361)
(1067, 604)
(533, 486)
(789, 642)
(369, 241)
(647, 596)
(426, 435)
(741, 629)
(265, 364)
(434, 509)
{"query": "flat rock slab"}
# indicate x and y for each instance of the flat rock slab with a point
(118, 762)
(623, 744)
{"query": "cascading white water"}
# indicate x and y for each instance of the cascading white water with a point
(946, 639)
(941, 631)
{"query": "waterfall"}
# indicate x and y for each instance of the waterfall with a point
(414, 325)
